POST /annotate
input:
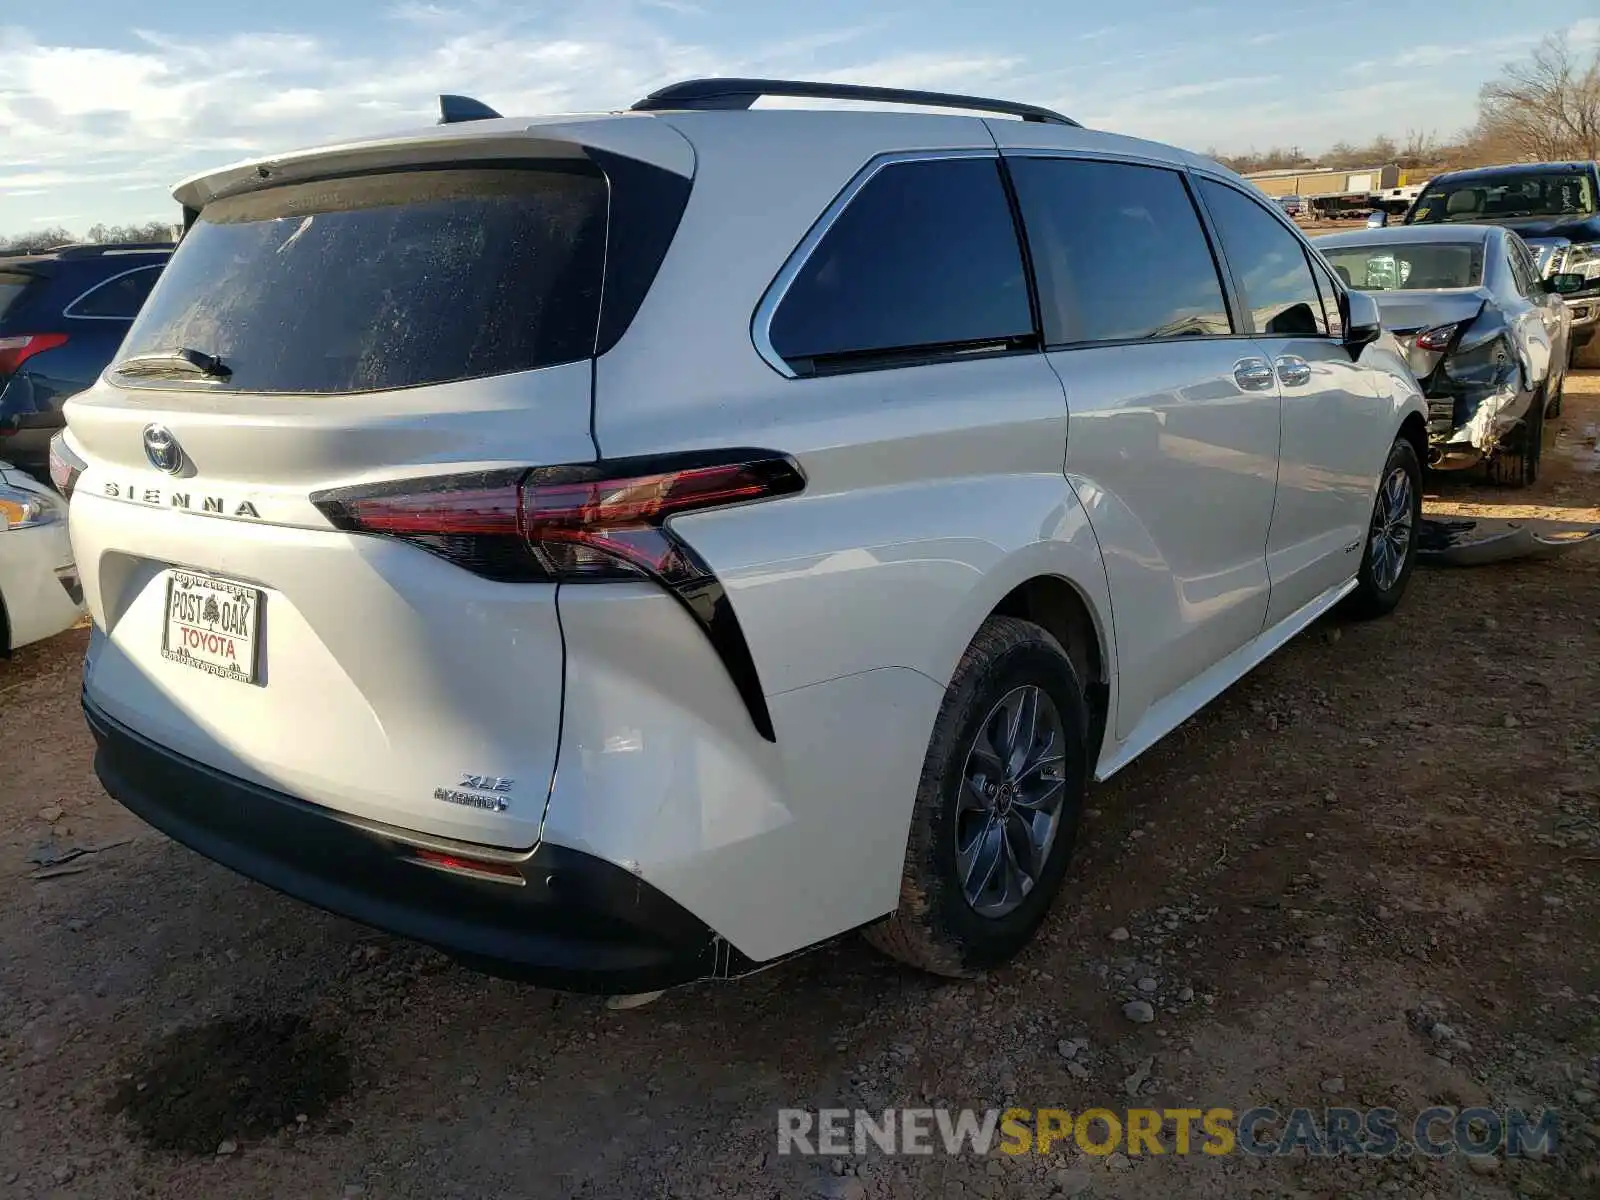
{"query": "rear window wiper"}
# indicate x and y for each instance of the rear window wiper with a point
(174, 364)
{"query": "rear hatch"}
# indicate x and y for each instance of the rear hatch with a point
(369, 326)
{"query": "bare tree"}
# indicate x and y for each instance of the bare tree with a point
(35, 241)
(1420, 149)
(1545, 107)
(49, 239)
(150, 231)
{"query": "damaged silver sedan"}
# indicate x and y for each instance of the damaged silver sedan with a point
(1484, 334)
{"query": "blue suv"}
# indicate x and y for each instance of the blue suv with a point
(63, 313)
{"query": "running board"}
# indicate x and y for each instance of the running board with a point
(1200, 691)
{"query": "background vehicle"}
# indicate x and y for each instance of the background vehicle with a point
(693, 562)
(1485, 334)
(63, 314)
(1554, 207)
(39, 591)
(1292, 205)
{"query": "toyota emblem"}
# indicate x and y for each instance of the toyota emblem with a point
(162, 449)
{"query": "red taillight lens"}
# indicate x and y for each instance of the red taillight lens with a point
(600, 528)
(488, 512)
(573, 523)
(583, 524)
(14, 351)
(1437, 338)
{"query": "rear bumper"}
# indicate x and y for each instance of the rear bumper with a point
(568, 920)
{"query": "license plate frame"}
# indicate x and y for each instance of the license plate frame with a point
(246, 665)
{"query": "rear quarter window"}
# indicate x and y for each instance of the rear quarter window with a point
(389, 280)
(118, 298)
(923, 262)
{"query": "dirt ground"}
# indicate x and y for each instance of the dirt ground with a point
(1366, 875)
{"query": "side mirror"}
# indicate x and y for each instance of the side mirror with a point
(1378, 219)
(1363, 323)
(1570, 283)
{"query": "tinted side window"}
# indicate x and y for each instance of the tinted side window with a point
(924, 257)
(1333, 318)
(120, 297)
(1269, 262)
(1119, 251)
(1523, 269)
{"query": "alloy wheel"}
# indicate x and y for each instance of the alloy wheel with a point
(1009, 809)
(1392, 519)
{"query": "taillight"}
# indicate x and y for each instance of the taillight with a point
(1437, 338)
(613, 525)
(585, 523)
(14, 351)
(65, 466)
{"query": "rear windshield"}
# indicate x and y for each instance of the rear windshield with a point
(388, 280)
(1424, 267)
(1552, 194)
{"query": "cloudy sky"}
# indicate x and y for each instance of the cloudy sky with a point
(104, 104)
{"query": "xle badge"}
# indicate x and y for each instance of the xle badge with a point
(478, 791)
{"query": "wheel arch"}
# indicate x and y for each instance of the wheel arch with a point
(1061, 609)
(1060, 585)
(1415, 430)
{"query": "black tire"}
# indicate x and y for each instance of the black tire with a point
(1376, 595)
(935, 927)
(1553, 408)
(1533, 440)
(1520, 467)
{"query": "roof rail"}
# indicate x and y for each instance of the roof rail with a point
(92, 249)
(742, 93)
(453, 109)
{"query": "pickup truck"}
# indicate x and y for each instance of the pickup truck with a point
(1553, 206)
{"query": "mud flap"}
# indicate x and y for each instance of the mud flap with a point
(1465, 542)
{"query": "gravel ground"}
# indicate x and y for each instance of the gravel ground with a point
(1367, 872)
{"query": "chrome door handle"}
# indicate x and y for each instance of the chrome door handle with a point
(1253, 374)
(1293, 370)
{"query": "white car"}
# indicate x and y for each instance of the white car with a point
(629, 549)
(39, 591)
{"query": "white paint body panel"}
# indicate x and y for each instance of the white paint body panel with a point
(387, 672)
(774, 846)
(1163, 439)
(35, 604)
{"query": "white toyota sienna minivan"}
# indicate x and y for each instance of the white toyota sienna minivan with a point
(629, 549)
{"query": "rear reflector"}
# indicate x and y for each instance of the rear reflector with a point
(14, 351)
(482, 868)
(584, 523)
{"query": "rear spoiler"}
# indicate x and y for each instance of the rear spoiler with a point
(33, 268)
